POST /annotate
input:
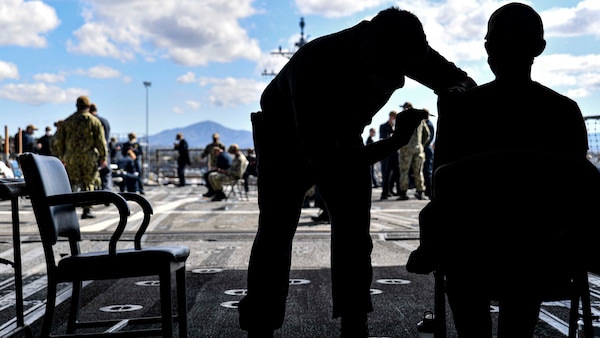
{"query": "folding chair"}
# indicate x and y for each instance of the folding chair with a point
(237, 183)
(54, 206)
(539, 206)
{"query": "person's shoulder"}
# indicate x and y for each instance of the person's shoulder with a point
(553, 97)
(91, 118)
(470, 95)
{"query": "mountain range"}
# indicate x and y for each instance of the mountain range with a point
(198, 135)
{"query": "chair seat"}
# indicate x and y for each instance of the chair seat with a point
(127, 262)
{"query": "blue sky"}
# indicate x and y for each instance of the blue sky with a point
(205, 58)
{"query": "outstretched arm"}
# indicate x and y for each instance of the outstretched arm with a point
(436, 72)
(406, 122)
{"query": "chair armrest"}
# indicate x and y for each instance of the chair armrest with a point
(96, 197)
(87, 198)
(146, 209)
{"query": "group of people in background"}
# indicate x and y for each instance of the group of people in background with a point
(411, 166)
(225, 167)
(223, 164)
(397, 170)
(83, 143)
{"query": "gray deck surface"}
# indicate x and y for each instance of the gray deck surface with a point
(220, 235)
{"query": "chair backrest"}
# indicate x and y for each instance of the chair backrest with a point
(46, 176)
(239, 170)
(16, 169)
(535, 208)
(243, 168)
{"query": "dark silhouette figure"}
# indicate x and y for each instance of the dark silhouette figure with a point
(212, 161)
(390, 166)
(250, 169)
(428, 164)
(129, 171)
(370, 140)
(106, 178)
(515, 37)
(137, 156)
(222, 163)
(354, 71)
(27, 140)
(44, 142)
(184, 157)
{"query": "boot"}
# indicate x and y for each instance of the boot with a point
(323, 217)
(87, 213)
(402, 195)
(209, 193)
(219, 196)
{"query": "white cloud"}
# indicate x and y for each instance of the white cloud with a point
(188, 77)
(99, 72)
(583, 19)
(193, 104)
(577, 93)
(39, 93)
(8, 70)
(337, 8)
(94, 39)
(231, 92)
(24, 23)
(191, 33)
(580, 74)
(190, 105)
(49, 78)
(103, 72)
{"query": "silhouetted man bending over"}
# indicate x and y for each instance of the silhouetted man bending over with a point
(354, 71)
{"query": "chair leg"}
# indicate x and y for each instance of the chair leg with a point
(574, 314)
(588, 328)
(232, 185)
(74, 310)
(50, 304)
(439, 304)
(166, 305)
(241, 190)
(181, 302)
(229, 190)
(582, 293)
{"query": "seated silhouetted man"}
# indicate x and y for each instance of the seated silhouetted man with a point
(310, 127)
(519, 115)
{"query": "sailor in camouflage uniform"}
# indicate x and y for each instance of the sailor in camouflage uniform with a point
(81, 145)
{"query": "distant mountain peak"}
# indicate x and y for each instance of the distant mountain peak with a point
(198, 135)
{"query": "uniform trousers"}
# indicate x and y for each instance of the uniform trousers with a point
(346, 191)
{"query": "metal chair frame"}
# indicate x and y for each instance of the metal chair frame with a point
(54, 206)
